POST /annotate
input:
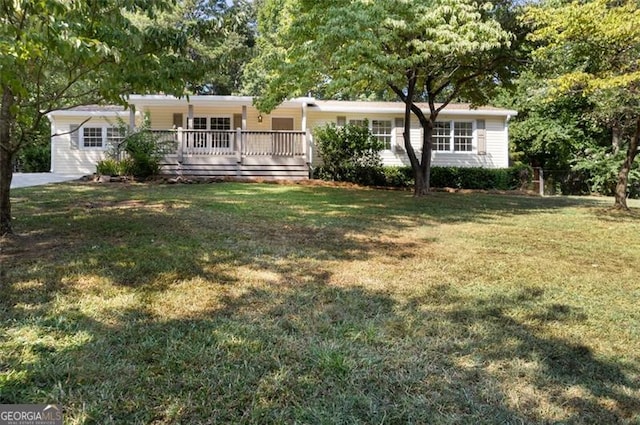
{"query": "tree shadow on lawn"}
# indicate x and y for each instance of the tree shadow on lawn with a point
(297, 349)
(317, 353)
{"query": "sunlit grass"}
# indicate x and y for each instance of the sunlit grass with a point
(253, 303)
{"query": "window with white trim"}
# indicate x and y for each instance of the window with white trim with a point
(453, 136)
(102, 137)
(442, 136)
(462, 136)
(222, 124)
(199, 138)
(199, 123)
(115, 136)
(381, 130)
(92, 137)
(360, 123)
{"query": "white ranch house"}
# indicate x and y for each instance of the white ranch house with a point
(228, 136)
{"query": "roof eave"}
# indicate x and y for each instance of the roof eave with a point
(400, 110)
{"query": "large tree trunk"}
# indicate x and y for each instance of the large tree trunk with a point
(615, 138)
(423, 177)
(6, 161)
(623, 175)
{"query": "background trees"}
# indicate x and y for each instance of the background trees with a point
(221, 41)
(592, 50)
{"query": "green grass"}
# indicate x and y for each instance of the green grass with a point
(253, 303)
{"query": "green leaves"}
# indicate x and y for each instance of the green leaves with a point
(595, 45)
(349, 49)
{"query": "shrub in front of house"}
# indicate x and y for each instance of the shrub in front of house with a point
(139, 154)
(510, 178)
(478, 178)
(349, 153)
(108, 167)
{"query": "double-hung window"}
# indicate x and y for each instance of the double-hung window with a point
(102, 137)
(221, 126)
(381, 130)
(199, 137)
(453, 136)
(213, 132)
(115, 136)
(442, 136)
(462, 136)
(92, 137)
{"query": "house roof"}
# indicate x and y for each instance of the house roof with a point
(159, 100)
(336, 106)
(399, 107)
(92, 110)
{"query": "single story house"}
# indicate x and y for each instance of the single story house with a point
(228, 136)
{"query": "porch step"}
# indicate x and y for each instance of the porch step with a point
(287, 168)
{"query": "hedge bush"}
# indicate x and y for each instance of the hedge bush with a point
(349, 153)
(510, 178)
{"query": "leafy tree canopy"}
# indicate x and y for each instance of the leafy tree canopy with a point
(431, 50)
(55, 54)
(592, 49)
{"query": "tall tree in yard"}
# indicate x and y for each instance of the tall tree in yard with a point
(56, 54)
(593, 49)
(436, 51)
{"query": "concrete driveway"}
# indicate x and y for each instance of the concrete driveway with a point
(38, 179)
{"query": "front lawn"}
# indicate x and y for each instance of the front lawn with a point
(255, 303)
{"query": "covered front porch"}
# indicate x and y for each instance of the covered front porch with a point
(239, 153)
(227, 136)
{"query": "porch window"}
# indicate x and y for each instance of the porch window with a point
(381, 130)
(442, 136)
(199, 138)
(92, 137)
(221, 126)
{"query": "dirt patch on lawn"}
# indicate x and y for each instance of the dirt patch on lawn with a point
(26, 247)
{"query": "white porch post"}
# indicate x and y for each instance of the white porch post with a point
(306, 141)
(132, 117)
(239, 150)
(244, 117)
(190, 117)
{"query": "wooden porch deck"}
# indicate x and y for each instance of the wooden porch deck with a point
(236, 153)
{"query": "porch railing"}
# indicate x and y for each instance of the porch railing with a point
(235, 142)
